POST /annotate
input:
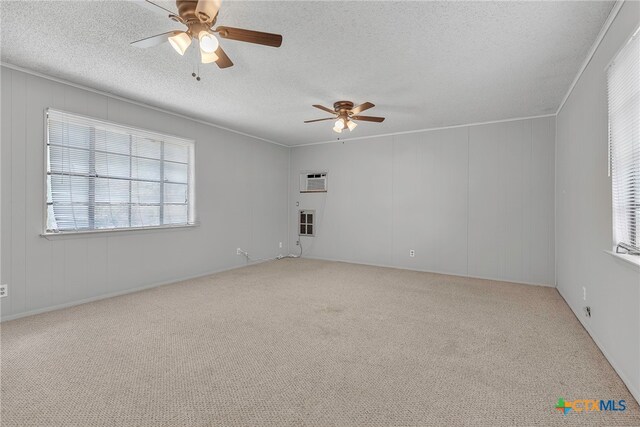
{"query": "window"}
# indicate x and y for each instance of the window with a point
(306, 223)
(102, 176)
(623, 87)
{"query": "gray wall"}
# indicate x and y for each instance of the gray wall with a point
(473, 201)
(584, 214)
(241, 196)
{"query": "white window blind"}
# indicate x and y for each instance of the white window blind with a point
(103, 176)
(623, 84)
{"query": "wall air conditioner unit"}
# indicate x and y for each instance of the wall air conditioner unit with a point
(313, 182)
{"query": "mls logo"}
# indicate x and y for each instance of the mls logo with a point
(589, 405)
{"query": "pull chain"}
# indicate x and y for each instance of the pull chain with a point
(196, 66)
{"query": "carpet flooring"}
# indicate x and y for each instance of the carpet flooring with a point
(307, 342)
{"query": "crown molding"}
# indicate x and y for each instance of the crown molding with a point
(603, 32)
(611, 17)
(515, 119)
(131, 101)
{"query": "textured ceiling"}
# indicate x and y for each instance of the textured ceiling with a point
(424, 64)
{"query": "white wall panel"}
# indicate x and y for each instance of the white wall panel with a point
(539, 253)
(266, 207)
(430, 200)
(484, 201)
(241, 192)
(354, 220)
(368, 217)
(584, 213)
(18, 192)
(38, 265)
(511, 201)
(471, 201)
(6, 202)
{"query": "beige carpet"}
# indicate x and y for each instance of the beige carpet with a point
(303, 342)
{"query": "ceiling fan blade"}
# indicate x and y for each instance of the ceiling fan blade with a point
(223, 60)
(158, 6)
(328, 110)
(362, 107)
(267, 39)
(154, 40)
(206, 10)
(319, 120)
(368, 119)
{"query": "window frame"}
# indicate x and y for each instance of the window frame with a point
(631, 255)
(191, 184)
(306, 224)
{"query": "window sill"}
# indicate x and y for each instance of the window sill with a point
(107, 232)
(632, 261)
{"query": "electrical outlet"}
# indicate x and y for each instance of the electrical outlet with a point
(584, 293)
(297, 242)
(238, 251)
(412, 253)
(587, 311)
(4, 291)
(280, 245)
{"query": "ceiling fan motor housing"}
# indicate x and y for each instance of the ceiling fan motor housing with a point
(187, 11)
(342, 106)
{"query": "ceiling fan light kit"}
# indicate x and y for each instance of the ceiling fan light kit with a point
(347, 115)
(208, 42)
(208, 57)
(180, 42)
(199, 16)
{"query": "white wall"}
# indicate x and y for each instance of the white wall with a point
(474, 201)
(241, 200)
(583, 217)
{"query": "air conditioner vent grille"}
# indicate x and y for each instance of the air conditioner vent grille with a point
(315, 182)
(306, 222)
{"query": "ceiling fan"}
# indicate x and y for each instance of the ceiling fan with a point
(347, 115)
(200, 16)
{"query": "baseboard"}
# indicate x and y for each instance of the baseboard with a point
(431, 271)
(118, 293)
(627, 382)
(168, 282)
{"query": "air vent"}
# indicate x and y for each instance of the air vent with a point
(306, 223)
(313, 182)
